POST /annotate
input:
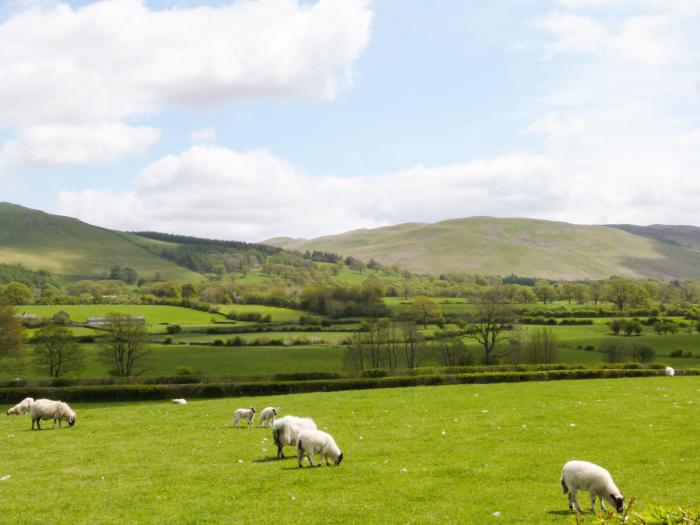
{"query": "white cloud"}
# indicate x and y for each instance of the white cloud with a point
(73, 144)
(118, 59)
(216, 192)
(203, 135)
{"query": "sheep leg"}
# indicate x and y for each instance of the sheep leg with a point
(602, 505)
(574, 499)
(300, 456)
(593, 503)
(310, 455)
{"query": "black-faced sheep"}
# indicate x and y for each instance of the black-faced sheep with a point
(312, 442)
(22, 407)
(594, 479)
(285, 431)
(48, 409)
(244, 413)
(267, 417)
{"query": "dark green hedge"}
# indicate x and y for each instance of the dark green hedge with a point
(130, 392)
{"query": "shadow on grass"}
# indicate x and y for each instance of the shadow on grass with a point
(270, 458)
(561, 512)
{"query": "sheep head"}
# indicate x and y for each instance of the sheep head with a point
(339, 459)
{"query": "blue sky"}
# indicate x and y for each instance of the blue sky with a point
(316, 117)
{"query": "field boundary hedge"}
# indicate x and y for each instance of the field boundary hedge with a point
(132, 392)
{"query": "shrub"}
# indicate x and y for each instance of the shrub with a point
(173, 329)
(218, 342)
(184, 371)
(167, 340)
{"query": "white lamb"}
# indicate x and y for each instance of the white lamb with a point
(582, 475)
(285, 431)
(244, 413)
(48, 409)
(267, 416)
(178, 401)
(670, 372)
(22, 407)
(312, 442)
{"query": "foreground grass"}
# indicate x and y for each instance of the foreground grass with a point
(422, 455)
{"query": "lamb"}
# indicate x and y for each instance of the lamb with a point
(178, 401)
(670, 372)
(244, 413)
(582, 475)
(312, 442)
(267, 416)
(48, 409)
(285, 431)
(22, 407)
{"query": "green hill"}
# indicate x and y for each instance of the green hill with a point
(527, 247)
(68, 247)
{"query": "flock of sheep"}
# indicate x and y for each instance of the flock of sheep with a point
(302, 433)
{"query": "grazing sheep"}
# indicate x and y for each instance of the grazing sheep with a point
(244, 413)
(670, 372)
(178, 401)
(312, 442)
(582, 475)
(48, 409)
(267, 416)
(285, 431)
(22, 407)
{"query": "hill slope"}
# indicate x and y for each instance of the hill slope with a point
(527, 247)
(69, 247)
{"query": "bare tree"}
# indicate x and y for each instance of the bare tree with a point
(56, 352)
(127, 349)
(487, 325)
(412, 341)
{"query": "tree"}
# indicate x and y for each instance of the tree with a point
(12, 335)
(451, 346)
(56, 352)
(545, 292)
(413, 343)
(424, 310)
(542, 346)
(126, 350)
(487, 326)
(18, 293)
(615, 326)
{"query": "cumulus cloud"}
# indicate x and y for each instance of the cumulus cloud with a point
(76, 144)
(217, 192)
(116, 59)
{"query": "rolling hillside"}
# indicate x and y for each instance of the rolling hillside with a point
(527, 247)
(69, 247)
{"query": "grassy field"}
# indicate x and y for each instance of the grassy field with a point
(277, 315)
(451, 454)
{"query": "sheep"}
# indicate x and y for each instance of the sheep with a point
(267, 416)
(285, 431)
(582, 475)
(670, 372)
(22, 407)
(48, 409)
(178, 401)
(312, 442)
(244, 413)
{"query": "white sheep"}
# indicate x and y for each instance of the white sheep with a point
(244, 413)
(48, 409)
(22, 407)
(670, 372)
(285, 431)
(582, 475)
(178, 401)
(312, 442)
(267, 416)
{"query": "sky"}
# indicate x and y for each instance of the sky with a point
(249, 119)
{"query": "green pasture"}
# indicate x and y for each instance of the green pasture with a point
(277, 314)
(449, 454)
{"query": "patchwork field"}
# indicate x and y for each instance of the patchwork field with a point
(451, 454)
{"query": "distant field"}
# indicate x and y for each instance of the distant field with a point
(467, 454)
(278, 315)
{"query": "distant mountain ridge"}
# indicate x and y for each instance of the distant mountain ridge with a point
(475, 245)
(527, 247)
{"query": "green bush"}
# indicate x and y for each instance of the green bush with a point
(173, 329)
